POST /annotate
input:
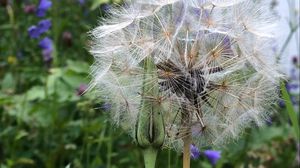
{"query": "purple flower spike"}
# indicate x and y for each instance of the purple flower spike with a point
(44, 25)
(44, 5)
(195, 153)
(46, 43)
(33, 32)
(213, 156)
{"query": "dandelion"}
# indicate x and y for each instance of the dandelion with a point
(211, 64)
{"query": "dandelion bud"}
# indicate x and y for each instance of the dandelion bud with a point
(150, 127)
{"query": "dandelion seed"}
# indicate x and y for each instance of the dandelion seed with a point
(214, 63)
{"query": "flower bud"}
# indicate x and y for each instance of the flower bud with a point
(67, 38)
(150, 126)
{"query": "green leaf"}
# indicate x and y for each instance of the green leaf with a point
(21, 134)
(36, 92)
(290, 109)
(8, 83)
(78, 66)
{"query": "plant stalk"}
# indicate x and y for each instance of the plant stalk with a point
(150, 155)
(187, 151)
(187, 140)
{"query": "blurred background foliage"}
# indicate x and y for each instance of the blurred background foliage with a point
(47, 120)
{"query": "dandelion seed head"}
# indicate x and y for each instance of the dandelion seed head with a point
(214, 65)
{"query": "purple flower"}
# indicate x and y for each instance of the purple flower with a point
(44, 25)
(213, 156)
(44, 5)
(295, 60)
(81, 89)
(105, 7)
(81, 2)
(46, 43)
(106, 106)
(36, 31)
(269, 121)
(47, 55)
(281, 103)
(195, 153)
(33, 32)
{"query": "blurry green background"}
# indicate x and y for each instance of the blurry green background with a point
(48, 121)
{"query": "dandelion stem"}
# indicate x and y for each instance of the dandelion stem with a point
(150, 155)
(186, 151)
(187, 140)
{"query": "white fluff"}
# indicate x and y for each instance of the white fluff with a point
(219, 48)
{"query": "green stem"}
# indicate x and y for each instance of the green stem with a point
(169, 158)
(150, 155)
(290, 108)
(287, 41)
(109, 149)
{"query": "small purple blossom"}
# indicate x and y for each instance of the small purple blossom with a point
(44, 5)
(105, 7)
(195, 153)
(81, 2)
(281, 103)
(106, 106)
(269, 121)
(44, 25)
(47, 55)
(46, 43)
(81, 89)
(295, 60)
(33, 32)
(213, 156)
